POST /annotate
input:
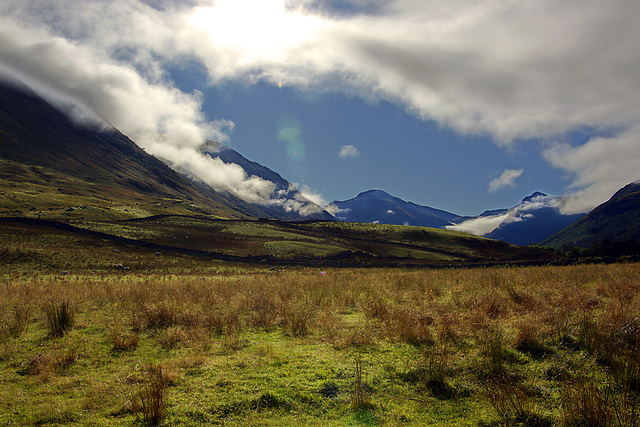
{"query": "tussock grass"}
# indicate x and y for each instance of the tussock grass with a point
(151, 397)
(59, 317)
(493, 346)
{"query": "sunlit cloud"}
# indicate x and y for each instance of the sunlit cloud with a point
(484, 225)
(506, 179)
(512, 71)
(481, 225)
(348, 152)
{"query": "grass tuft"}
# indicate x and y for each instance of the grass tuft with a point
(152, 396)
(60, 318)
(14, 322)
(359, 397)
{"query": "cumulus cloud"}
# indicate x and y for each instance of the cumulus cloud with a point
(337, 212)
(506, 179)
(601, 166)
(91, 85)
(311, 194)
(348, 152)
(479, 226)
(513, 71)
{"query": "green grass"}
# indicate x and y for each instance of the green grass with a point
(252, 347)
(350, 244)
(39, 192)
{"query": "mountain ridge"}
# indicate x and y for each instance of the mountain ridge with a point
(379, 206)
(288, 195)
(615, 220)
(532, 220)
(98, 166)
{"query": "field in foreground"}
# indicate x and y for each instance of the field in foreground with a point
(495, 346)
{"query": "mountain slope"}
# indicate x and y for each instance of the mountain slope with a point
(376, 206)
(534, 219)
(288, 202)
(50, 165)
(616, 220)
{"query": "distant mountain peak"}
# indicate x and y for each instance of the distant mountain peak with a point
(534, 196)
(532, 220)
(374, 193)
(380, 206)
(615, 220)
(288, 203)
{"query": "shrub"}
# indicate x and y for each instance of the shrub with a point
(431, 373)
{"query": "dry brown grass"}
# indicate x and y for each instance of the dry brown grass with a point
(529, 332)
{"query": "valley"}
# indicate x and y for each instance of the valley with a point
(132, 294)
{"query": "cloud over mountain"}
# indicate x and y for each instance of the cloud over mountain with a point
(514, 71)
(534, 219)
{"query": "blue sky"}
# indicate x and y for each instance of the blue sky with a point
(414, 159)
(462, 105)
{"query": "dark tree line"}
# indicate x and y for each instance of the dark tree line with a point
(603, 248)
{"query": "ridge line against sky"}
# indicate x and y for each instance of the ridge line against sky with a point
(502, 89)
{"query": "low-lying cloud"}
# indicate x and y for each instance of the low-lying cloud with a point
(513, 71)
(484, 225)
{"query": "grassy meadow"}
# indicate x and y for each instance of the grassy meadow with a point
(204, 344)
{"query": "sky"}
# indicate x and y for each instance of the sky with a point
(463, 105)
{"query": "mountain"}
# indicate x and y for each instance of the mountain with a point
(616, 220)
(377, 206)
(289, 203)
(51, 166)
(534, 219)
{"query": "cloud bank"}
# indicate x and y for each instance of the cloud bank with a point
(483, 225)
(510, 70)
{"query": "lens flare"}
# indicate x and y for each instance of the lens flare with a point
(290, 131)
(289, 134)
(296, 150)
(289, 120)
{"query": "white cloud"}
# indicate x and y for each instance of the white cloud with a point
(348, 152)
(164, 120)
(479, 226)
(506, 179)
(311, 194)
(601, 166)
(484, 225)
(508, 70)
(336, 211)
